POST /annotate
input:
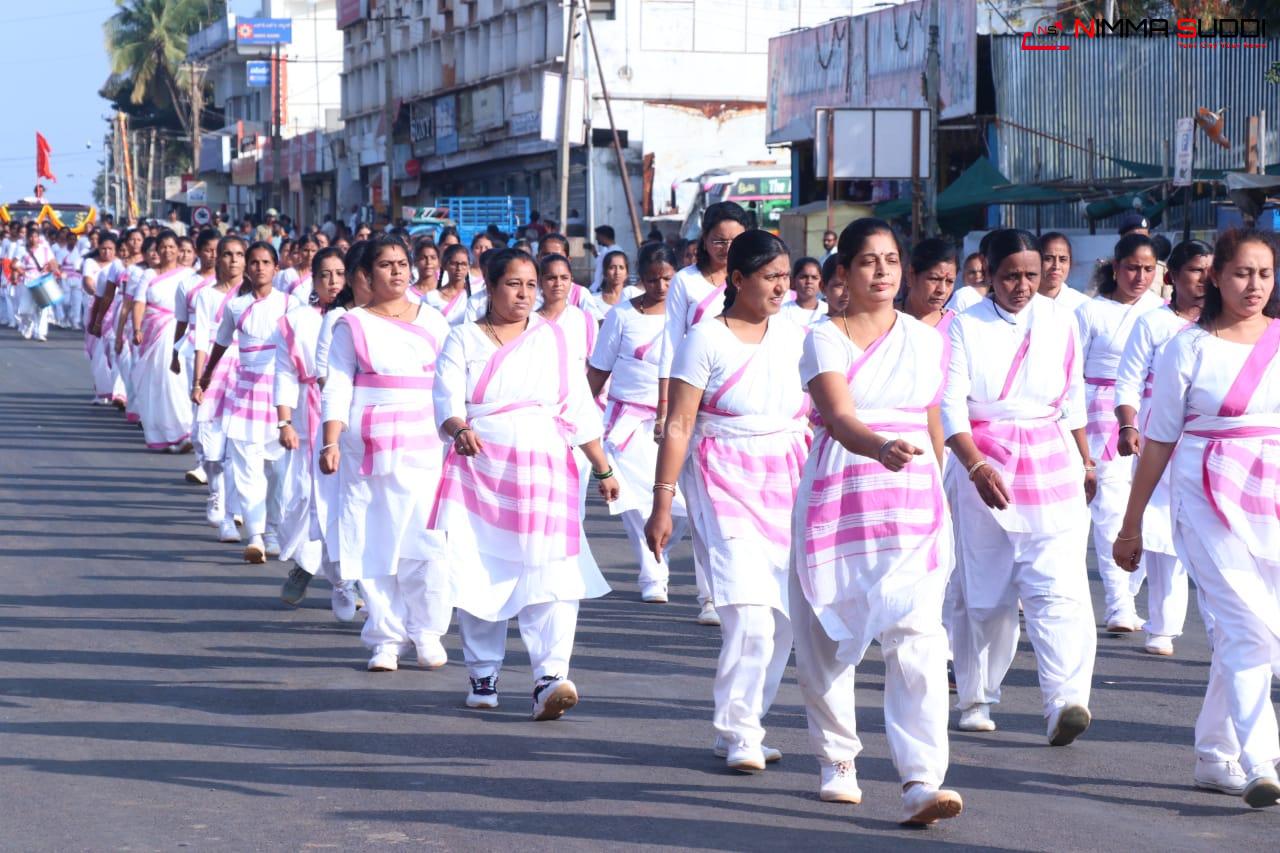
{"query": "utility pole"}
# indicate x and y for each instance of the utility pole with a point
(587, 130)
(195, 79)
(932, 81)
(617, 142)
(389, 118)
(565, 84)
(151, 172)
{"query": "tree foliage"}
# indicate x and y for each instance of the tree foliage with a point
(147, 44)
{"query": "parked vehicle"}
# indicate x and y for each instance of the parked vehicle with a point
(763, 191)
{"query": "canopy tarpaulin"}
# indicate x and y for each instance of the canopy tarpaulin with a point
(979, 185)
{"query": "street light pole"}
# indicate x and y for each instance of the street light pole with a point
(565, 83)
(388, 117)
(933, 76)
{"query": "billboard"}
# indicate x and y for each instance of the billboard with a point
(350, 11)
(446, 115)
(260, 32)
(872, 60)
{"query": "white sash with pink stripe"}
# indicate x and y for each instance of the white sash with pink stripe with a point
(862, 520)
(520, 494)
(251, 413)
(751, 485)
(1241, 464)
(396, 364)
(713, 301)
(301, 350)
(1043, 475)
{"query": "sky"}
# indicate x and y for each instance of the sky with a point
(63, 39)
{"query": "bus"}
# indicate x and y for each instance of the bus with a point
(764, 191)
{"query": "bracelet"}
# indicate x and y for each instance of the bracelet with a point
(974, 467)
(602, 475)
(327, 446)
(1124, 427)
(283, 424)
(883, 448)
(1089, 469)
(460, 431)
(664, 487)
(1128, 538)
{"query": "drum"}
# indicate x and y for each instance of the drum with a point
(45, 291)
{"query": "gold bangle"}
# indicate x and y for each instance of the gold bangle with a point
(1128, 538)
(664, 487)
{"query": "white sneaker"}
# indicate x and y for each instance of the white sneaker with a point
(196, 475)
(720, 749)
(431, 653)
(228, 532)
(745, 759)
(385, 658)
(924, 804)
(1123, 622)
(255, 552)
(1158, 645)
(343, 600)
(839, 784)
(976, 718)
(1067, 723)
(271, 542)
(1262, 789)
(215, 514)
(708, 615)
(484, 692)
(1225, 776)
(552, 696)
(654, 593)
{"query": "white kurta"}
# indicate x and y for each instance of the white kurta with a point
(1220, 402)
(511, 513)
(296, 386)
(872, 544)
(164, 404)
(379, 385)
(744, 464)
(691, 299)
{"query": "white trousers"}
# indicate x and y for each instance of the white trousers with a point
(406, 607)
(701, 559)
(1166, 594)
(915, 690)
(8, 311)
(651, 571)
(755, 644)
(71, 308)
(1120, 587)
(255, 479)
(1048, 574)
(1215, 732)
(33, 322)
(547, 630)
(1245, 651)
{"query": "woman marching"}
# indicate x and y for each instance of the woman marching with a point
(977, 283)
(513, 404)
(254, 453)
(213, 399)
(1055, 257)
(872, 540)
(205, 247)
(806, 309)
(737, 412)
(453, 297)
(1215, 417)
(380, 442)
(426, 264)
(163, 399)
(1124, 295)
(696, 295)
(1166, 575)
(1013, 415)
(626, 358)
(614, 287)
(297, 400)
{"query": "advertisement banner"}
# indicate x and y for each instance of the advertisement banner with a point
(257, 74)
(446, 114)
(259, 32)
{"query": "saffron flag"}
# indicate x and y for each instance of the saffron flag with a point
(43, 167)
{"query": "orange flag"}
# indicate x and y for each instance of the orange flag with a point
(43, 167)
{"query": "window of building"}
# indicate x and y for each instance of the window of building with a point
(603, 10)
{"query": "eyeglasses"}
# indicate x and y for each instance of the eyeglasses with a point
(721, 244)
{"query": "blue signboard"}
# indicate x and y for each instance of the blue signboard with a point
(264, 31)
(446, 116)
(258, 73)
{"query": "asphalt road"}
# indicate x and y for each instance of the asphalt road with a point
(154, 695)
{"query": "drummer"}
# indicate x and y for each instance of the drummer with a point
(35, 259)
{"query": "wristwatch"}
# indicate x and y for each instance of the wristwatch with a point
(283, 424)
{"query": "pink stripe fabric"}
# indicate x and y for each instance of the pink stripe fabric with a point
(762, 509)
(705, 304)
(1260, 357)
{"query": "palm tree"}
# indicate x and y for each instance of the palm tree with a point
(147, 43)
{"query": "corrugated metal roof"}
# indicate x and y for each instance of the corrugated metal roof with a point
(1125, 94)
